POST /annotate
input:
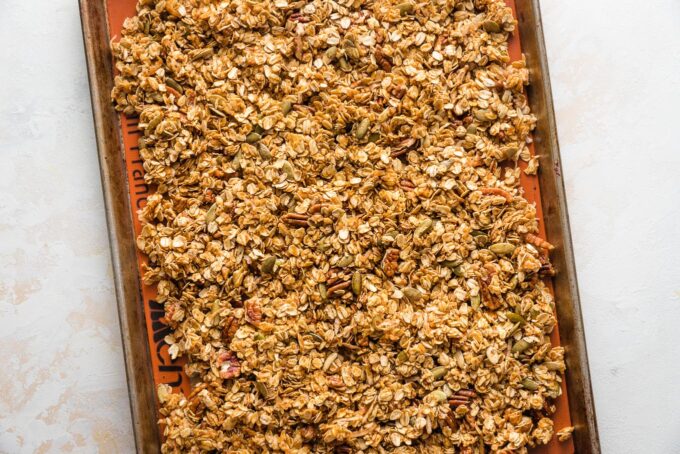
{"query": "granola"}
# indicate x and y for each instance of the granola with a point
(338, 233)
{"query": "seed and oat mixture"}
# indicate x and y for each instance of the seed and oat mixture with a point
(338, 232)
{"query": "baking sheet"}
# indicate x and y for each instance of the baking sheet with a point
(125, 189)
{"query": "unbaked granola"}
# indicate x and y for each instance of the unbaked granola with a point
(338, 233)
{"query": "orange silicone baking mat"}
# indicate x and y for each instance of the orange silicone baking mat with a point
(168, 371)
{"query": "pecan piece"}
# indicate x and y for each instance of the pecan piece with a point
(253, 313)
(462, 397)
(229, 330)
(382, 60)
(497, 191)
(389, 262)
(405, 146)
(298, 220)
(407, 185)
(538, 242)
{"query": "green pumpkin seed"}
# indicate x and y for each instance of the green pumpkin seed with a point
(345, 261)
(331, 53)
(475, 301)
(268, 265)
(450, 263)
(481, 238)
(323, 292)
(438, 395)
(423, 228)
(253, 137)
(172, 83)
(529, 384)
(439, 372)
(356, 283)
(520, 346)
(286, 107)
(155, 121)
(264, 152)
(491, 26)
(402, 357)
(553, 365)
(515, 318)
(412, 294)
(344, 65)
(374, 137)
(502, 248)
(362, 129)
(405, 8)
(458, 271)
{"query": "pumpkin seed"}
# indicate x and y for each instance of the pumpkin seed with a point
(374, 137)
(412, 294)
(172, 83)
(356, 283)
(286, 107)
(268, 265)
(491, 26)
(450, 263)
(264, 152)
(475, 301)
(323, 292)
(402, 357)
(520, 346)
(362, 129)
(345, 261)
(515, 318)
(458, 271)
(344, 65)
(438, 395)
(502, 248)
(553, 365)
(253, 137)
(405, 8)
(331, 53)
(423, 228)
(439, 372)
(155, 121)
(529, 384)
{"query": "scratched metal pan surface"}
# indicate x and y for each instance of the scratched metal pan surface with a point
(146, 358)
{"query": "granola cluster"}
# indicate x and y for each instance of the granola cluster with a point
(338, 232)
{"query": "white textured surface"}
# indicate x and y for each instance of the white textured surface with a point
(615, 67)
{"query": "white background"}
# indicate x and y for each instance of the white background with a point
(615, 69)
